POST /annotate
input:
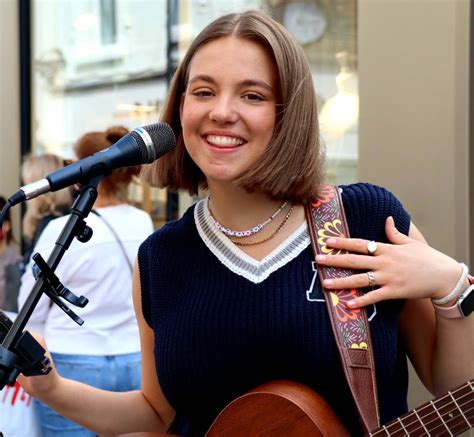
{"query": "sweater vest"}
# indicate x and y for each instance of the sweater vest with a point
(219, 331)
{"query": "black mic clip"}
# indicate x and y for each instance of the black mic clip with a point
(57, 290)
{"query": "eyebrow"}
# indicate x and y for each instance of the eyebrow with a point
(245, 82)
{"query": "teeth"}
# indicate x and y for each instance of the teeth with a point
(224, 141)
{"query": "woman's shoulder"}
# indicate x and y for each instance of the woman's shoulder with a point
(134, 213)
(365, 192)
(367, 207)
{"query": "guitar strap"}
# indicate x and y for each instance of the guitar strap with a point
(326, 219)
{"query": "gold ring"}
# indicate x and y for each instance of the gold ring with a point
(371, 277)
(371, 247)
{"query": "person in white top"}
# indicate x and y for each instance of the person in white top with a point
(104, 351)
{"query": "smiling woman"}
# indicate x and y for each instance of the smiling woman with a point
(221, 295)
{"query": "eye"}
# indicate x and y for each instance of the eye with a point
(202, 93)
(254, 97)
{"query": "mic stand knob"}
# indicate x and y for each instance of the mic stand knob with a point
(85, 235)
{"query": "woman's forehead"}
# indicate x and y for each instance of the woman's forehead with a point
(233, 56)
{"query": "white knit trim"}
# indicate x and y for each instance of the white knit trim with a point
(236, 260)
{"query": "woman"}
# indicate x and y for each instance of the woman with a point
(9, 252)
(220, 295)
(104, 352)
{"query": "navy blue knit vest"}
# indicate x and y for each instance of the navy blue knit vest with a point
(218, 334)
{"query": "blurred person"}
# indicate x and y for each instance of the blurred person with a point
(42, 209)
(104, 352)
(9, 252)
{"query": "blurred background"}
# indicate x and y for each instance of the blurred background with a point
(394, 82)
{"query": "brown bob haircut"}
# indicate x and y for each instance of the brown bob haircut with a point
(291, 167)
(92, 142)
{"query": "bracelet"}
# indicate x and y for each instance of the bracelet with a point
(457, 290)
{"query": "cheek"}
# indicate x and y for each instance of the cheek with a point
(267, 125)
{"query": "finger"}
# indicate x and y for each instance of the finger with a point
(357, 245)
(369, 298)
(350, 261)
(360, 280)
(393, 234)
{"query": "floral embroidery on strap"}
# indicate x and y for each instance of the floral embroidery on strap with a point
(325, 212)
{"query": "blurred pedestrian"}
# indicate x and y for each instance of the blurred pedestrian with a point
(9, 252)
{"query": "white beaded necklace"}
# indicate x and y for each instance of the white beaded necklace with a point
(253, 230)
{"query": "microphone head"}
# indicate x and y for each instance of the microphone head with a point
(154, 140)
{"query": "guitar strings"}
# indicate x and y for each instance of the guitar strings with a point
(452, 423)
(455, 421)
(458, 420)
(449, 424)
(451, 406)
(448, 405)
(442, 430)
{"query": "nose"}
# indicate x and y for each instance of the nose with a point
(224, 110)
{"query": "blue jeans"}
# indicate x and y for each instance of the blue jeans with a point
(115, 373)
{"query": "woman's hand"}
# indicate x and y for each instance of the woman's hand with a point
(40, 386)
(406, 269)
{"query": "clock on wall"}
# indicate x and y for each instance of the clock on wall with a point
(306, 21)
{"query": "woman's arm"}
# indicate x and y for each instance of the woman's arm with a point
(441, 350)
(106, 412)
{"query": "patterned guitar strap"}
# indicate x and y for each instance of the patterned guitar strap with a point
(326, 218)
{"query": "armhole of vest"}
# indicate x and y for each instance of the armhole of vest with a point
(144, 283)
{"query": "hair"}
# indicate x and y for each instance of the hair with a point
(36, 167)
(7, 219)
(92, 142)
(292, 165)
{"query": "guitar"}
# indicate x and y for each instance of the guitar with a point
(290, 409)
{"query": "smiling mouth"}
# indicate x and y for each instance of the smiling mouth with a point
(224, 141)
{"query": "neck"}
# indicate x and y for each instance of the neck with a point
(104, 200)
(235, 208)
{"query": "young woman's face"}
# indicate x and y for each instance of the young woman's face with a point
(229, 107)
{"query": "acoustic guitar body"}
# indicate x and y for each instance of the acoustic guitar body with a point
(278, 408)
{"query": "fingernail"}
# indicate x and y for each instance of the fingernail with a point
(320, 257)
(328, 282)
(351, 303)
(330, 241)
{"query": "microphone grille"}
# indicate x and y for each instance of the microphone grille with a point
(155, 140)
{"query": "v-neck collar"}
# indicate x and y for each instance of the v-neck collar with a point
(236, 260)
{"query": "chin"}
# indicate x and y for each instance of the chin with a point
(223, 177)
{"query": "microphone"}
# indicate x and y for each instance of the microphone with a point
(142, 145)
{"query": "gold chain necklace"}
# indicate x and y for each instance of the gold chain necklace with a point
(239, 243)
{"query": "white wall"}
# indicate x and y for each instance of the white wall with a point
(413, 127)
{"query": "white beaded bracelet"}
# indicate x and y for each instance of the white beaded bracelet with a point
(457, 290)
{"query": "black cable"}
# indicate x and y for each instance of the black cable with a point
(4, 212)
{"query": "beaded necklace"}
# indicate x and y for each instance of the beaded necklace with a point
(251, 231)
(254, 243)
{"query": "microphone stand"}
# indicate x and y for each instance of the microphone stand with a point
(19, 351)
